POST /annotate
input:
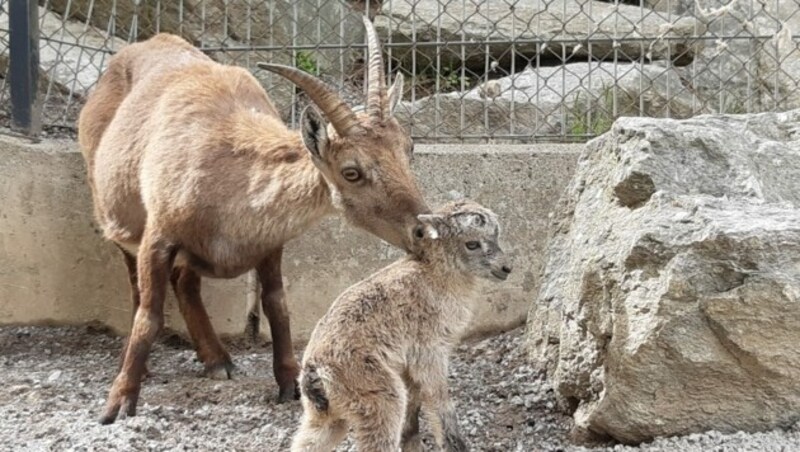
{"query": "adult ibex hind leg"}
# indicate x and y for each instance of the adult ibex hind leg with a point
(154, 261)
(186, 284)
(133, 279)
(273, 301)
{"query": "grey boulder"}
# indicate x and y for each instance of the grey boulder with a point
(670, 302)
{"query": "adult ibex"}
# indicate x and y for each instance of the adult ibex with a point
(194, 174)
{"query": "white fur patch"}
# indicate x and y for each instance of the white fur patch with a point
(433, 234)
(336, 197)
(114, 231)
(131, 248)
(267, 195)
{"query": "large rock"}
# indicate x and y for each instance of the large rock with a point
(574, 99)
(670, 302)
(214, 22)
(490, 27)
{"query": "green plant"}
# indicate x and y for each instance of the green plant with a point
(448, 77)
(591, 117)
(305, 61)
(733, 106)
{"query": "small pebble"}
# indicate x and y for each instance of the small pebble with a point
(54, 376)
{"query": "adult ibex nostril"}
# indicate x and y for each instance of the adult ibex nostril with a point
(506, 269)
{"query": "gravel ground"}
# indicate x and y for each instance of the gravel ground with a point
(54, 383)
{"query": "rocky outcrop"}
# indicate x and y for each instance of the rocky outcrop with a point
(728, 57)
(749, 61)
(670, 302)
(537, 26)
(75, 48)
(671, 58)
(576, 99)
(220, 22)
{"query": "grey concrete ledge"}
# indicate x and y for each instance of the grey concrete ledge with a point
(55, 267)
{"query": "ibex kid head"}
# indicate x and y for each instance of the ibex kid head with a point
(466, 235)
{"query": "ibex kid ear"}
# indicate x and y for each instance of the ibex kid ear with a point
(314, 132)
(395, 93)
(434, 225)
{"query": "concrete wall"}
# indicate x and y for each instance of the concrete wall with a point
(56, 268)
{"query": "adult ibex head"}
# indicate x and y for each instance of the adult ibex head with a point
(364, 154)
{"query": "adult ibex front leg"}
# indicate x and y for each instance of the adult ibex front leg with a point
(273, 301)
(186, 284)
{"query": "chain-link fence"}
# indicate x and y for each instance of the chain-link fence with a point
(479, 70)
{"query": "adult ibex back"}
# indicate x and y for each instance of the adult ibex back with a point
(194, 174)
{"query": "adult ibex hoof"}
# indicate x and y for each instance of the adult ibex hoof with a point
(289, 393)
(220, 371)
(119, 407)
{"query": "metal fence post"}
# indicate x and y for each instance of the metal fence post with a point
(24, 66)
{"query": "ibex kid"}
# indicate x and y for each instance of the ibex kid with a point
(380, 354)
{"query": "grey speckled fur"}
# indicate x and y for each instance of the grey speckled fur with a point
(380, 355)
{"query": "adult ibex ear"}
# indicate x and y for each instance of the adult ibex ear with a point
(395, 93)
(314, 132)
(435, 226)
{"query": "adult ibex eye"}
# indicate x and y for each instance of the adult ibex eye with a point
(351, 174)
(473, 245)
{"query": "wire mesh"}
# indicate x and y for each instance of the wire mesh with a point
(479, 70)
(5, 104)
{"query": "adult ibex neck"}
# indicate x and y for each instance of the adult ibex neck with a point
(285, 185)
